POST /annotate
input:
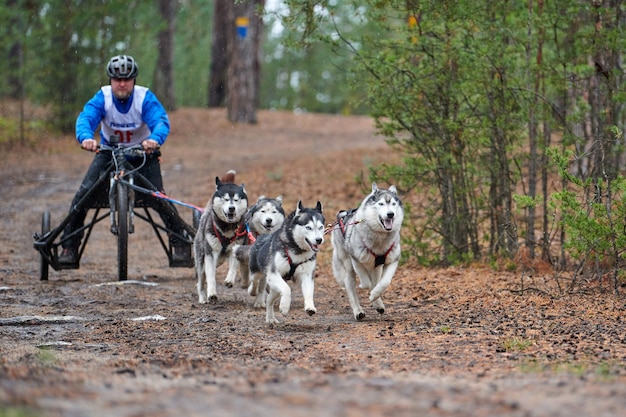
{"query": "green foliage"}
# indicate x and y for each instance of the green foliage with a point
(515, 344)
(305, 67)
(463, 90)
(592, 214)
(46, 356)
(192, 54)
(17, 412)
(11, 131)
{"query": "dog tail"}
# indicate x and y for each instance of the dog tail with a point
(242, 253)
(229, 177)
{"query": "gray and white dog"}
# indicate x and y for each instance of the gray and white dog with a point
(366, 242)
(221, 226)
(264, 217)
(289, 253)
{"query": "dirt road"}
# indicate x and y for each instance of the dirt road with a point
(453, 342)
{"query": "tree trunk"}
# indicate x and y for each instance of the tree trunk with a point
(163, 73)
(244, 36)
(16, 54)
(219, 56)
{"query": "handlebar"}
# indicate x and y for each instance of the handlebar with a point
(131, 151)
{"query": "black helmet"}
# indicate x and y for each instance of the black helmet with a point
(122, 66)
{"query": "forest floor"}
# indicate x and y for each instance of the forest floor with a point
(453, 342)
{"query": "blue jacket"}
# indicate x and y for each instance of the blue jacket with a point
(153, 114)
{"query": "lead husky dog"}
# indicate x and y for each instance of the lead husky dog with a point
(288, 254)
(366, 243)
(264, 217)
(221, 226)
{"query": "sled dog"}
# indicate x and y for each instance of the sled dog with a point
(289, 253)
(366, 242)
(221, 226)
(264, 217)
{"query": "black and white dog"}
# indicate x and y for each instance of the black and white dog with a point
(366, 242)
(221, 226)
(289, 253)
(264, 217)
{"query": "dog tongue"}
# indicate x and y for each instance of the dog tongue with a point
(388, 223)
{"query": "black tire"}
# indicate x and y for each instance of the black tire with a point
(122, 231)
(44, 265)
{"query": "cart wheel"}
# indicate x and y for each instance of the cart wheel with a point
(45, 228)
(122, 231)
(196, 218)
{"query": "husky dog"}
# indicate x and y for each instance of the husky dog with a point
(264, 217)
(288, 253)
(366, 242)
(221, 226)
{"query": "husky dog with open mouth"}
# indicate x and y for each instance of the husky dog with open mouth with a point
(366, 242)
(221, 226)
(289, 253)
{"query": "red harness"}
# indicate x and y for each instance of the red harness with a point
(241, 231)
(292, 266)
(379, 259)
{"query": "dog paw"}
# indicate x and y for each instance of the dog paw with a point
(374, 297)
(202, 299)
(228, 284)
(213, 298)
(310, 311)
(378, 305)
(359, 316)
(259, 305)
(271, 321)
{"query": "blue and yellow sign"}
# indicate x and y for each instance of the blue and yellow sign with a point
(242, 26)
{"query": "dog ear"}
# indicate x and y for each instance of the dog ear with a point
(261, 197)
(318, 207)
(218, 182)
(299, 207)
(393, 189)
(279, 199)
(374, 187)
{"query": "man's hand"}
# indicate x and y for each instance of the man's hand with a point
(149, 145)
(89, 145)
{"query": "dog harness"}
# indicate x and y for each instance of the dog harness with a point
(241, 231)
(292, 266)
(342, 225)
(378, 259)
